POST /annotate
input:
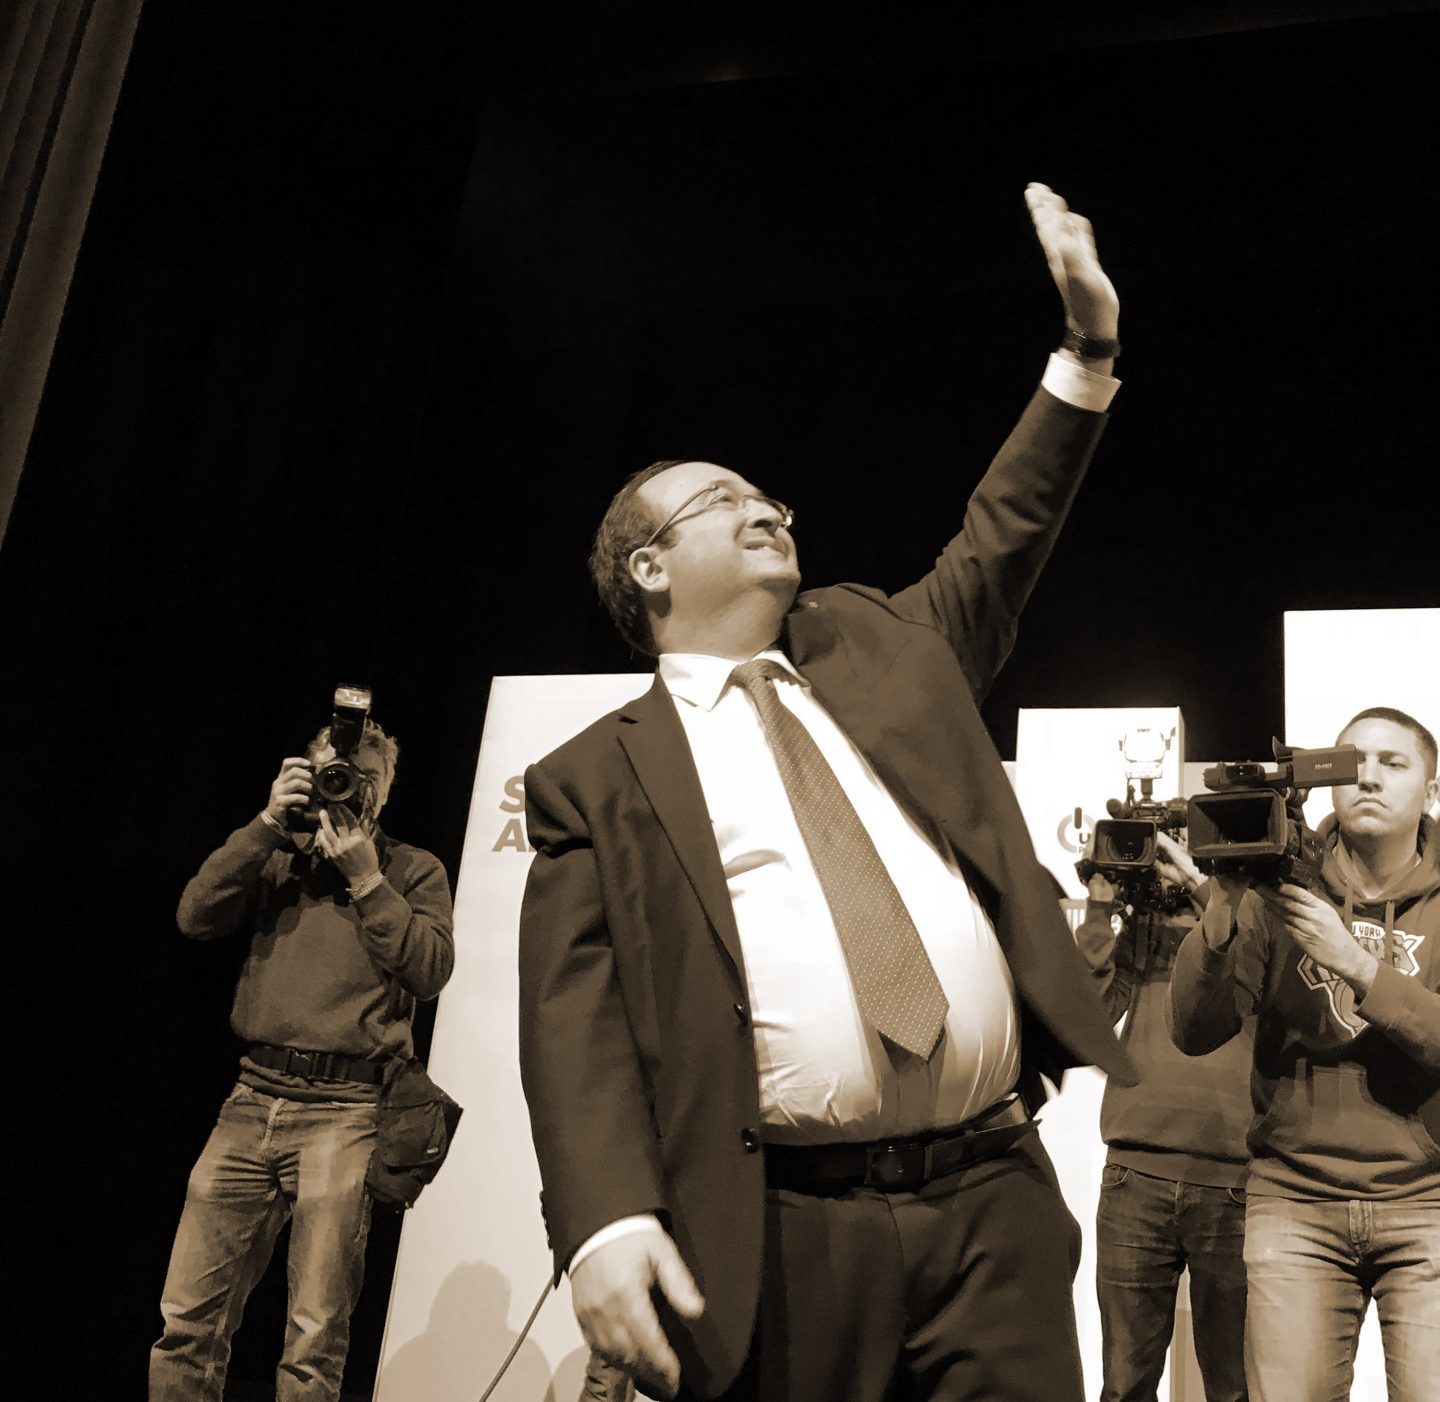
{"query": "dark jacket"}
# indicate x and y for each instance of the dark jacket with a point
(636, 1051)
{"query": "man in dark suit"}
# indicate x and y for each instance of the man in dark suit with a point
(790, 971)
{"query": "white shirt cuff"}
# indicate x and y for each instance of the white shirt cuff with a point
(1078, 386)
(624, 1226)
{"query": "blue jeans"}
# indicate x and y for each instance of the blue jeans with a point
(1147, 1230)
(268, 1159)
(1313, 1268)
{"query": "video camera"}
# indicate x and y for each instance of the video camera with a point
(338, 780)
(1126, 843)
(1252, 822)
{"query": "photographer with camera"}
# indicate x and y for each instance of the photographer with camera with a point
(347, 929)
(1171, 1194)
(1343, 1190)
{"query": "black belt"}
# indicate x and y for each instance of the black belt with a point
(897, 1165)
(318, 1065)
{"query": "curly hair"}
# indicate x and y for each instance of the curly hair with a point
(372, 738)
(625, 527)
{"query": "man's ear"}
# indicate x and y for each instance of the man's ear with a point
(647, 569)
(1432, 798)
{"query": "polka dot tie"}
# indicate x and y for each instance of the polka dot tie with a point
(895, 983)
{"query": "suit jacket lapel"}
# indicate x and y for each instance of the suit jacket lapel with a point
(654, 740)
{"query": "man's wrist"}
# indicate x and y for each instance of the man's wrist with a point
(273, 823)
(1219, 925)
(362, 886)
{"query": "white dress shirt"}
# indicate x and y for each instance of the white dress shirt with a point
(825, 1075)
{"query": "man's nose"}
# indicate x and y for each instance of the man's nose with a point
(1369, 775)
(762, 513)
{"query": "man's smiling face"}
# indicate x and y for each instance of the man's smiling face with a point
(725, 540)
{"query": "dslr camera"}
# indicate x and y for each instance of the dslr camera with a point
(339, 780)
(1127, 842)
(1252, 822)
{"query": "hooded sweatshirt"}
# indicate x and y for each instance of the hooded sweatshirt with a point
(1346, 1091)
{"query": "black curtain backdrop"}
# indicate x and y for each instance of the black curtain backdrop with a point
(372, 317)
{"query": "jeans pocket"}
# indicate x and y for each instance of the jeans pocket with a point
(1236, 1196)
(1113, 1175)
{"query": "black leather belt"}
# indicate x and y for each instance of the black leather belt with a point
(318, 1065)
(897, 1165)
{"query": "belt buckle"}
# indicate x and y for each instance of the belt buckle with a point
(299, 1063)
(893, 1166)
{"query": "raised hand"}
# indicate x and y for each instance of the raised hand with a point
(1091, 304)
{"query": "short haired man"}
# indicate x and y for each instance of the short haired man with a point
(1343, 1191)
(347, 929)
(1172, 1191)
(787, 955)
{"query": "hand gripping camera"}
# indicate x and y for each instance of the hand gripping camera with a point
(1127, 842)
(339, 780)
(1252, 822)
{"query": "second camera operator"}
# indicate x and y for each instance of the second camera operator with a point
(1171, 1194)
(347, 929)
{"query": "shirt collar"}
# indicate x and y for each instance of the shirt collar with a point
(701, 679)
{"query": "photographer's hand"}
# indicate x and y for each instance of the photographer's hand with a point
(1316, 927)
(1219, 921)
(1091, 304)
(1174, 865)
(348, 845)
(291, 788)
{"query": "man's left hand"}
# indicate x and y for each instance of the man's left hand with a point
(1091, 304)
(1316, 927)
(347, 844)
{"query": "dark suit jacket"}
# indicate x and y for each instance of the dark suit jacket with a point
(636, 1050)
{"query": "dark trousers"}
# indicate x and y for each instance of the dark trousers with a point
(961, 1290)
(1147, 1230)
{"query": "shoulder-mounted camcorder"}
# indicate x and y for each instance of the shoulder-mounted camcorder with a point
(1252, 822)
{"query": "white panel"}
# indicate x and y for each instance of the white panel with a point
(1069, 759)
(1340, 661)
(472, 1258)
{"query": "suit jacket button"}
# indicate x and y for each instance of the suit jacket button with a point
(741, 1016)
(750, 1140)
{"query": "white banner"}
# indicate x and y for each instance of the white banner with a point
(1342, 661)
(472, 1258)
(1075, 759)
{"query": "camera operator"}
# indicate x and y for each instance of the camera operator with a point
(1343, 1191)
(347, 929)
(1171, 1193)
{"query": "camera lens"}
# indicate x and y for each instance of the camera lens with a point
(335, 783)
(1128, 846)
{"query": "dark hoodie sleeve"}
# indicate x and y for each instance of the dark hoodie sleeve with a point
(1212, 992)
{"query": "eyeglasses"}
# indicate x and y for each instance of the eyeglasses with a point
(721, 494)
